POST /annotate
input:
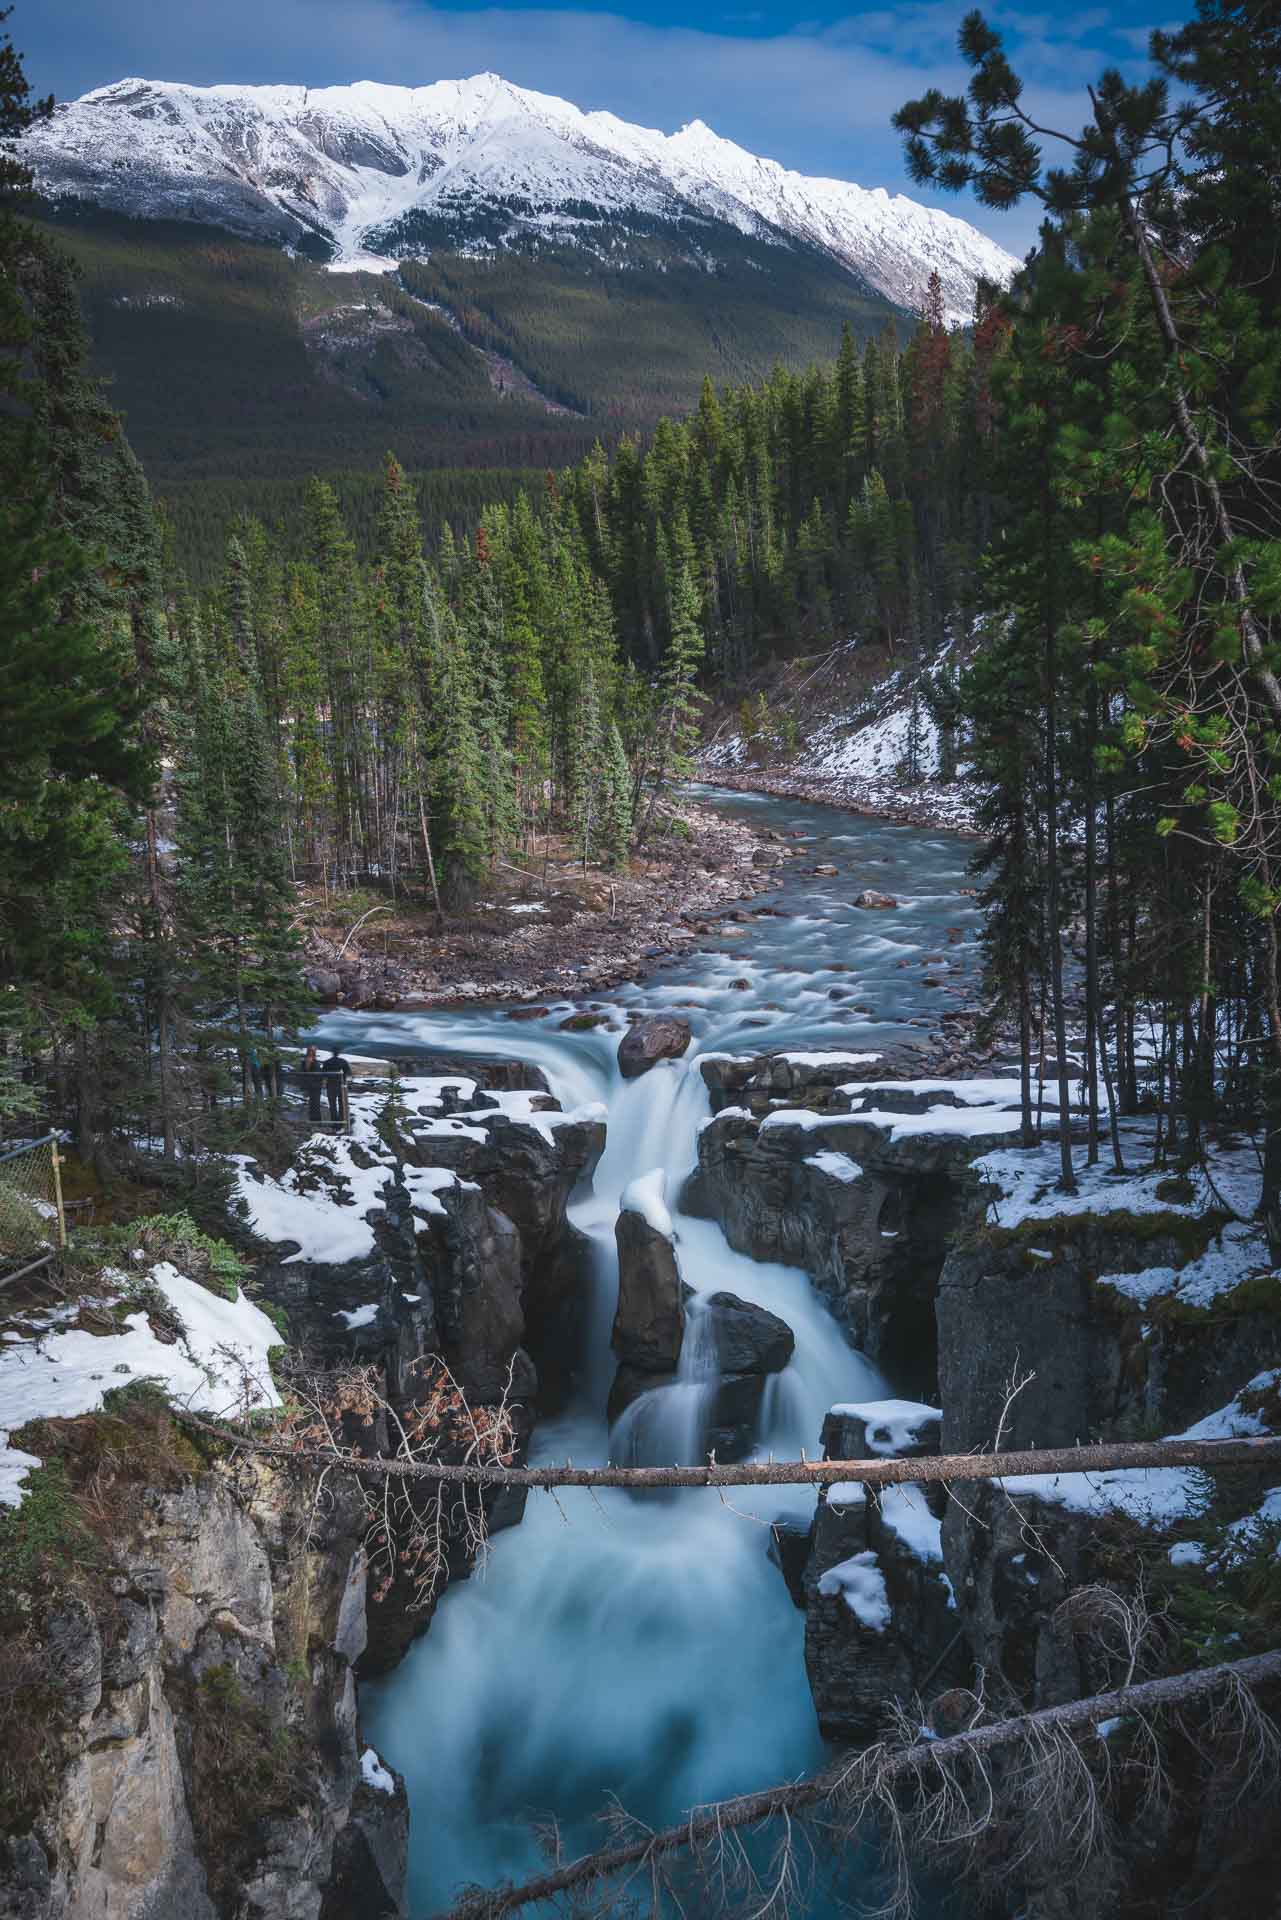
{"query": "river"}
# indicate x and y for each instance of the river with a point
(645, 1647)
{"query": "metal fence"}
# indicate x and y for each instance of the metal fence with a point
(33, 1227)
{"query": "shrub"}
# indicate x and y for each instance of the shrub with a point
(245, 1766)
(44, 1540)
(176, 1237)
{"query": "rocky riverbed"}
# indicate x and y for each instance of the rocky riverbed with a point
(552, 930)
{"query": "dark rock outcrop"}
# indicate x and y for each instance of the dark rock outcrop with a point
(748, 1338)
(748, 1344)
(665, 1037)
(650, 1321)
(867, 1218)
(525, 1173)
(879, 1613)
(1033, 1300)
(481, 1273)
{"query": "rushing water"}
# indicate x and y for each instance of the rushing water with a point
(645, 1647)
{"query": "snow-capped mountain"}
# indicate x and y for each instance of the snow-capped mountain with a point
(376, 173)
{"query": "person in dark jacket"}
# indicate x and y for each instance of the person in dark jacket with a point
(310, 1075)
(336, 1071)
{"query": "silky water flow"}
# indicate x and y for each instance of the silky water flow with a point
(645, 1648)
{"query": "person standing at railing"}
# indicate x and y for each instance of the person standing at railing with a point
(337, 1072)
(311, 1080)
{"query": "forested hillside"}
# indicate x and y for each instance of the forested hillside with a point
(241, 370)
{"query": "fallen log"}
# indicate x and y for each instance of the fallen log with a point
(1208, 1454)
(864, 1777)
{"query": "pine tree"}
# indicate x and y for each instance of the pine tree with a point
(457, 746)
(675, 739)
(75, 766)
(617, 799)
(235, 901)
(587, 769)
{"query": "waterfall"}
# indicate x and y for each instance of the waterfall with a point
(639, 1645)
(644, 1646)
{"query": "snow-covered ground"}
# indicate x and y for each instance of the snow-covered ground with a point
(973, 1109)
(1154, 1496)
(327, 1199)
(1024, 1182)
(1023, 1187)
(325, 1203)
(51, 1370)
(858, 758)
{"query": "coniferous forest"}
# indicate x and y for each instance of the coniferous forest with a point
(1075, 498)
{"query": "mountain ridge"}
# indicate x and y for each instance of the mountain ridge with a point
(359, 172)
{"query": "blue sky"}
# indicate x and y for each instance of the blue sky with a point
(812, 85)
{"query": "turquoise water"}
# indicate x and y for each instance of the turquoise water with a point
(644, 1647)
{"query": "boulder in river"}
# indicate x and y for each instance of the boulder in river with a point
(650, 1322)
(665, 1037)
(873, 900)
(748, 1338)
(749, 1343)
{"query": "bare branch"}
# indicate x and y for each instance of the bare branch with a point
(958, 1792)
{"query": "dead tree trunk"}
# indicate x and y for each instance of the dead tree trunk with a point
(862, 1779)
(779, 1473)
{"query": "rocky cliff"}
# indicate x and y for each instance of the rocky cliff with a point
(861, 1183)
(1144, 1304)
(192, 1748)
(186, 1629)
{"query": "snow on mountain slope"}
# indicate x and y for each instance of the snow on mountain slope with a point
(346, 165)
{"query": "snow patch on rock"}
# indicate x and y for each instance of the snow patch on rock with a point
(861, 1585)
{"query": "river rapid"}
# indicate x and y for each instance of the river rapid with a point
(645, 1647)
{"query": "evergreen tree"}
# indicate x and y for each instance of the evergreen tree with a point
(234, 899)
(617, 798)
(678, 698)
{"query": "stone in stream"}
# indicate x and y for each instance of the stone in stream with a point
(649, 1324)
(871, 899)
(750, 1343)
(748, 1338)
(650, 1321)
(665, 1037)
